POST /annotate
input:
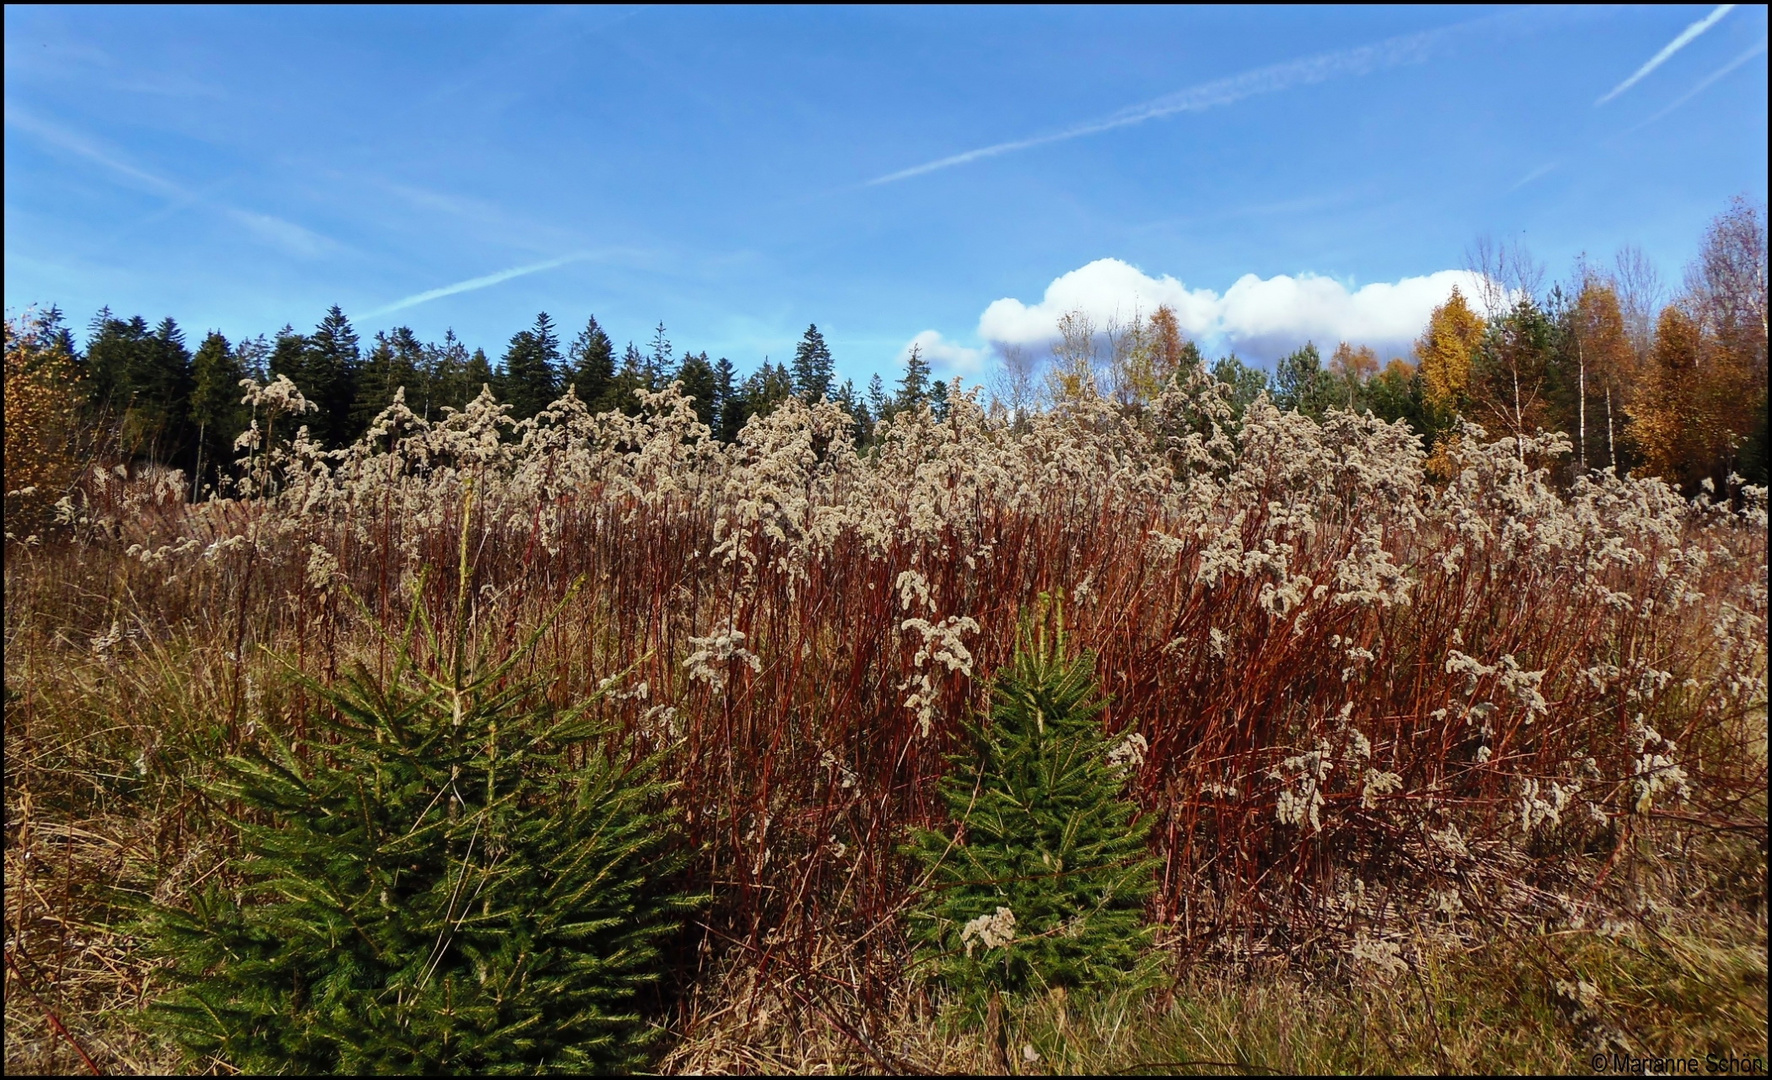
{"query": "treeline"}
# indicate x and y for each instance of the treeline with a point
(152, 400)
(1639, 380)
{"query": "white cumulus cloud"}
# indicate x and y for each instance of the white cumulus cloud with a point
(1259, 318)
(946, 357)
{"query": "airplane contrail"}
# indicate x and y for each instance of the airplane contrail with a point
(1391, 52)
(478, 283)
(1705, 83)
(1668, 50)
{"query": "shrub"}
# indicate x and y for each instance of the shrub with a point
(432, 885)
(1044, 883)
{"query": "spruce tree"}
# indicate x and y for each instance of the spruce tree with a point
(593, 364)
(157, 379)
(878, 404)
(938, 399)
(448, 876)
(253, 354)
(767, 387)
(1301, 383)
(1043, 881)
(446, 376)
(631, 377)
(530, 373)
(812, 366)
(913, 389)
(289, 356)
(730, 417)
(216, 411)
(329, 368)
(476, 376)
(699, 382)
(658, 361)
(392, 363)
(112, 344)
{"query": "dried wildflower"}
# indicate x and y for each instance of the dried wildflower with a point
(1129, 752)
(941, 642)
(1655, 769)
(1383, 957)
(713, 654)
(992, 931)
(1378, 784)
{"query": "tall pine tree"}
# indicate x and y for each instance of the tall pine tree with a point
(393, 362)
(330, 373)
(216, 409)
(731, 417)
(913, 389)
(593, 365)
(658, 360)
(812, 366)
(530, 373)
(699, 382)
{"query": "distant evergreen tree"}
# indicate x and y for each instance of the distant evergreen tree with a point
(1301, 383)
(446, 380)
(52, 333)
(913, 389)
(289, 355)
(477, 375)
(1395, 394)
(726, 396)
(938, 399)
(1043, 882)
(111, 347)
(861, 423)
(530, 371)
(812, 366)
(658, 361)
(393, 362)
(767, 388)
(157, 380)
(630, 378)
(451, 876)
(216, 409)
(701, 383)
(593, 365)
(1246, 382)
(329, 377)
(253, 354)
(878, 404)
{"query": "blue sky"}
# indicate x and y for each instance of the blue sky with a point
(955, 177)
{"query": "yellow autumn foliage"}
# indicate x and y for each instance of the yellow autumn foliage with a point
(1445, 350)
(41, 430)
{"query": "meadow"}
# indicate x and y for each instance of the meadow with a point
(1450, 766)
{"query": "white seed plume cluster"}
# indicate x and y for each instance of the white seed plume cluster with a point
(991, 931)
(1265, 546)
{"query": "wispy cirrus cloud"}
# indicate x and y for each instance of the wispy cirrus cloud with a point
(1389, 53)
(1684, 39)
(72, 142)
(1536, 174)
(479, 283)
(292, 238)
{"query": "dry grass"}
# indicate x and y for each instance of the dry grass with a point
(1496, 710)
